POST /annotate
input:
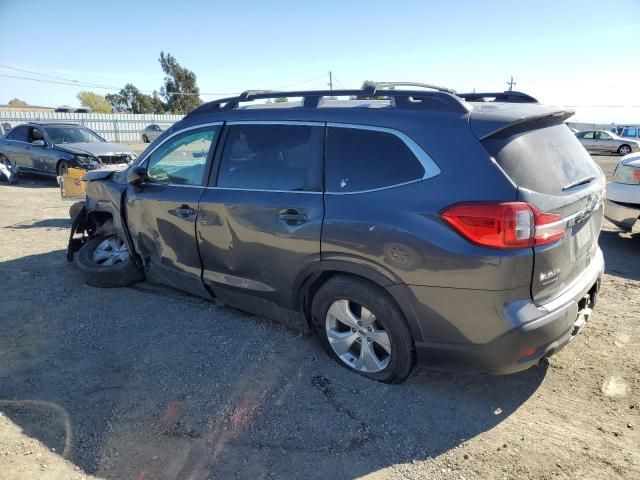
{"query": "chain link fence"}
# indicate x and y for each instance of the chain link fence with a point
(114, 127)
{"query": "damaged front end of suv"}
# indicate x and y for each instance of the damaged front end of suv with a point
(100, 220)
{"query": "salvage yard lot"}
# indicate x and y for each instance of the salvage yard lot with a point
(147, 383)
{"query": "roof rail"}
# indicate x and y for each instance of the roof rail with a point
(379, 85)
(509, 96)
(438, 98)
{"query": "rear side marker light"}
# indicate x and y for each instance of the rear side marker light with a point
(504, 225)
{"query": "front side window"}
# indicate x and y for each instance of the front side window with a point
(363, 159)
(272, 157)
(182, 159)
(588, 135)
(602, 136)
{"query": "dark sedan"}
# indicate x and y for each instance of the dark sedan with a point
(51, 148)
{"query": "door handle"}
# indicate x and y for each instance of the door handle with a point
(185, 211)
(292, 216)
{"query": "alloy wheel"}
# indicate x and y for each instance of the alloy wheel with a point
(110, 251)
(357, 337)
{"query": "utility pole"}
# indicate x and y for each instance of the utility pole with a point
(511, 83)
(330, 80)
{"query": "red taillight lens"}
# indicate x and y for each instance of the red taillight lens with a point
(505, 225)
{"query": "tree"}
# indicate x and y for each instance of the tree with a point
(16, 102)
(180, 90)
(131, 100)
(95, 102)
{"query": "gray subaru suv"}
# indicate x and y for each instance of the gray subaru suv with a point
(402, 223)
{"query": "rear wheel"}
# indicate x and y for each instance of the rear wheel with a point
(11, 167)
(363, 329)
(105, 261)
(624, 150)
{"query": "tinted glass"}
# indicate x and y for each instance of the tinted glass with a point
(543, 160)
(20, 133)
(182, 160)
(630, 132)
(358, 159)
(272, 157)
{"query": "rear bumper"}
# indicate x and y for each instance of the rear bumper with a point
(623, 215)
(547, 330)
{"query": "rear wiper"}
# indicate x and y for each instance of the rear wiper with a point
(582, 181)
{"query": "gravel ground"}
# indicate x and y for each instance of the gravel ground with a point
(146, 383)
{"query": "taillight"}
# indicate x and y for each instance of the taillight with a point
(505, 225)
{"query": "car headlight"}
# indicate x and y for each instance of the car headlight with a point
(627, 174)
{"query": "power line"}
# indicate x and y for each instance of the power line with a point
(337, 81)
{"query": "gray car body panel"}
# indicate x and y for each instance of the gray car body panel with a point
(450, 291)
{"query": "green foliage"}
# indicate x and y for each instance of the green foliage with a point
(16, 102)
(95, 102)
(131, 100)
(180, 90)
(281, 100)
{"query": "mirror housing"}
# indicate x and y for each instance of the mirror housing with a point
(137, 175)
(38, 143)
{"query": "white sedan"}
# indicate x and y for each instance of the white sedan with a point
(623, 193)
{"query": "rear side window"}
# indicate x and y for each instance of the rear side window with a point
(362, 159)
(19, 133)
(272, 157)
(543, 160)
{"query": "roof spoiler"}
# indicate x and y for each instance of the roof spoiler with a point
(486, 127)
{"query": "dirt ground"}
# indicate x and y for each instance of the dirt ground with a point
(146, 383)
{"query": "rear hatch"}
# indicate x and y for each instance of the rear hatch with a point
(554, 173)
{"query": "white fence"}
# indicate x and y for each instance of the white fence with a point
(115, 127)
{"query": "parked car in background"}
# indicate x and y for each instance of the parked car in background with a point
(51, 148)
(382, 225)
(623, 193)
(601, 141)
(630, 132)
(150, 133)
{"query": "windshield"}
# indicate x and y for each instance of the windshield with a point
(67, 134)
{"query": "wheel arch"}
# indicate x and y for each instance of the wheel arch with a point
(318, 273)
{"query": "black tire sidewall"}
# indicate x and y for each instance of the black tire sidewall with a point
(119, 275)
(387, 313)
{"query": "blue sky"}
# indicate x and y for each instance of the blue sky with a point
(563, 52)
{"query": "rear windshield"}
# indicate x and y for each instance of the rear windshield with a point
(544, 160)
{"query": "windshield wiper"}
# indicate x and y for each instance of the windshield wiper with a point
(582, 181)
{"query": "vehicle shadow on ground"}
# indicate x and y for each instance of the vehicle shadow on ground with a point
(142, 383)
(48, 223)
(621, 253)
(32, 181)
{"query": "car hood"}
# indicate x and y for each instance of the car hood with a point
(632, 160)
(96, 148)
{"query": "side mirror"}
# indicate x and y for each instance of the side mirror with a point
(38, 143)
(137, 175)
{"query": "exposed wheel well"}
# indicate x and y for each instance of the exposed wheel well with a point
(315, 281)
(59, 162)
(102, 222)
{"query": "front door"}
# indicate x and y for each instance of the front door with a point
(259, 224)
(162, 211)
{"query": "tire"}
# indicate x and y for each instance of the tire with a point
(62, 168)
(12, 166)
(145, 139)
(624, 150)
(352, 299)
(117, 274)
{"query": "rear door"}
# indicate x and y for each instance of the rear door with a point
(556, 175)
(259, 223)
(161, 213)
(17, 143)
